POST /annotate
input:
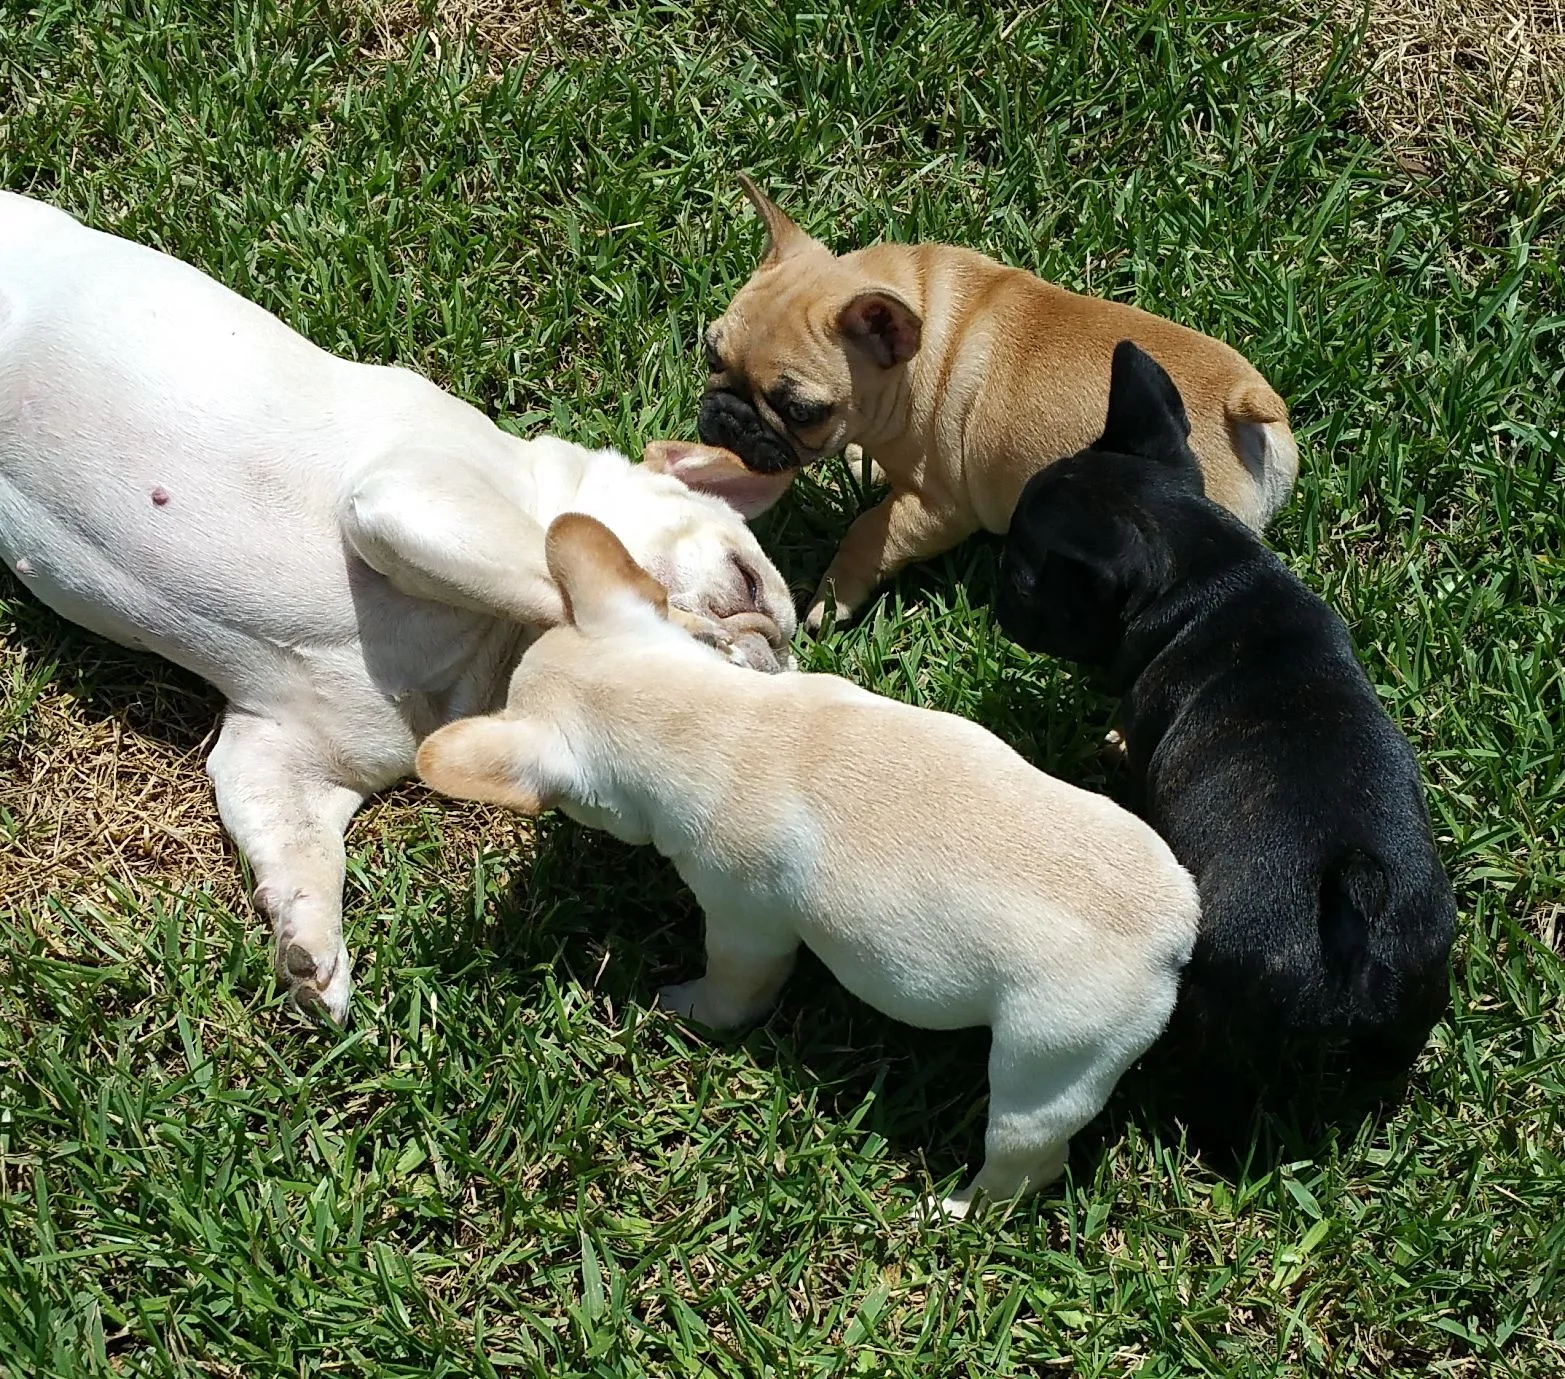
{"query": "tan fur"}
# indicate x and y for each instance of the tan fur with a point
(594, 563)
(941, 877)
(1010, 373)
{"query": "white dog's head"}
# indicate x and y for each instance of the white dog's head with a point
(683, 520)
(538, 753)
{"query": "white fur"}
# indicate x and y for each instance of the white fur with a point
(352, 556)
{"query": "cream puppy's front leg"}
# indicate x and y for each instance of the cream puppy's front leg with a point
(748, 959)
(440, 530)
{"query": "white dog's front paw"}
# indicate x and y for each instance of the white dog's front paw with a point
(320, 984)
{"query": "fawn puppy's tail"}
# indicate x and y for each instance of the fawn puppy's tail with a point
(1258, 426)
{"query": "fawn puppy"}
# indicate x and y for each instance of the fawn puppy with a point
(962, 378)
(940, 877)
(1255, 744)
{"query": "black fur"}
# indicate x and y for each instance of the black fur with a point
(731, 421)
(1255, 744)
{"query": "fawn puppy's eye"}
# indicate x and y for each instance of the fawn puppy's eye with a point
(714, 361)
(799, 412)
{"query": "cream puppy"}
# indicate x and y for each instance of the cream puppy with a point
(352, 556)
(939, 876)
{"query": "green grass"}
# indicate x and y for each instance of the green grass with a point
(510, 1164)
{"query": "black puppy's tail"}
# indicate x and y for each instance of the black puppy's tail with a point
(1353, 897)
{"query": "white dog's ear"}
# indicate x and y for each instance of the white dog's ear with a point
(494, 759)
(883, 324)
(783, 237)
(721, 473)
(602, 586)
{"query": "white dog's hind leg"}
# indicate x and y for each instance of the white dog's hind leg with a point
(287, 819)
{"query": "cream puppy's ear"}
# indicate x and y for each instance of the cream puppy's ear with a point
(721, 473)
(783, 237)
(604, 589)
(493, 759)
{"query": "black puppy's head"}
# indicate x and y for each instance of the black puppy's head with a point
(1086, 551)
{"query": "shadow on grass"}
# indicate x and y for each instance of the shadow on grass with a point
(145, 694)
(618, 920)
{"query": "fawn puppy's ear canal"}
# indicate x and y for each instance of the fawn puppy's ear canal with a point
(718, 472)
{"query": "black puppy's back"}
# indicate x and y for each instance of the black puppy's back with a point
(1264, 757)
(1254, 741)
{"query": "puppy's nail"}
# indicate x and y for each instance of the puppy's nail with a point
(299, 961)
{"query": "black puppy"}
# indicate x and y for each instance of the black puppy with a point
(1254, 742)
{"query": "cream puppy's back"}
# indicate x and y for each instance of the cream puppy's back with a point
(917, 832)
(940, 877)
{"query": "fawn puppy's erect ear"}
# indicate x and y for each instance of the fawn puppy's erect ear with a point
(885, 325)
(1146, 414)
(783, 237)
(495, 759)
(721, 473)
(602, 586)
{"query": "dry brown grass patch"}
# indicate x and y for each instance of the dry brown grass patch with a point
(501, 33)
(1444, 73)
(103, 781)
(108, 788)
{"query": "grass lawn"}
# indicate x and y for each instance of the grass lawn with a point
(510, 1164)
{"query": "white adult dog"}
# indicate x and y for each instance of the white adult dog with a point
(352, 556)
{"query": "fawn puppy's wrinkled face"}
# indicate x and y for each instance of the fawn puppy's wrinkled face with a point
(809, 357)
(1086, 550)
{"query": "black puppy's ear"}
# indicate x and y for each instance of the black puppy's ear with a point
(1146, 414)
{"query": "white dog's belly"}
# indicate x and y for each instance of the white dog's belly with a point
(296, 630)
(172, 460)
